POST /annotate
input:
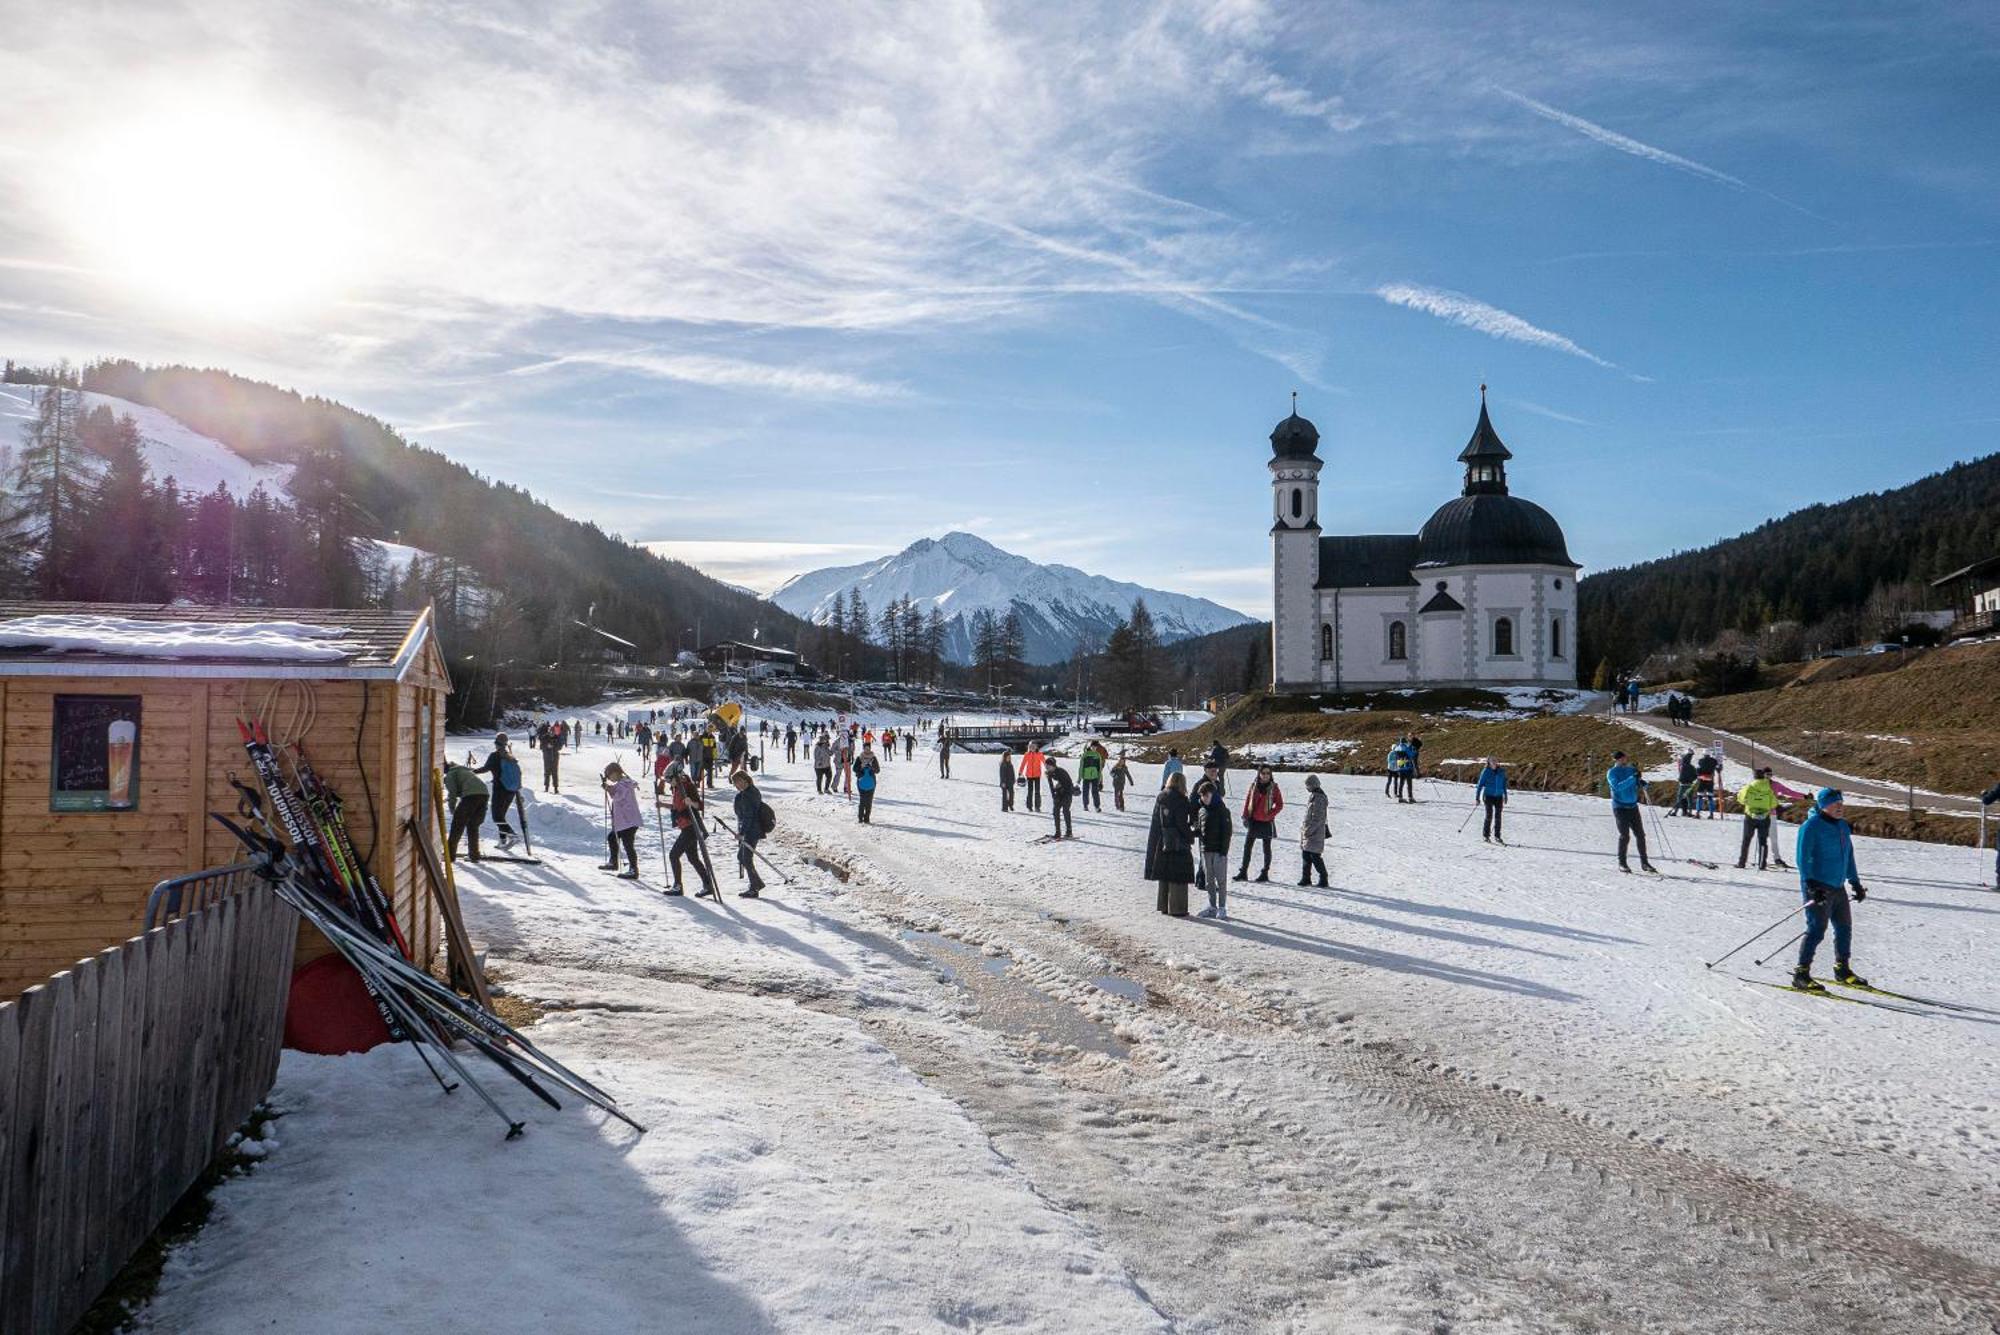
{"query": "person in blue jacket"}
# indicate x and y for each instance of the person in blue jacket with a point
(1988, 798)
(1626, 793)
(1826, 871)
(1491, 789)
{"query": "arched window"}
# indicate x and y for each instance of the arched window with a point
(1326, 641)
(1298, 502)
(1399, 642)
(1556, 638)
(1503, 637)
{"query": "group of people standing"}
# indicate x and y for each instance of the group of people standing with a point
(1184, 825)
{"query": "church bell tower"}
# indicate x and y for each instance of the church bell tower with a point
(1295, 635)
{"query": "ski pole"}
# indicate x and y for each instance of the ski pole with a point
(1781, 949)
(1468, 818)
(660, 821)
(1710, 964)
(755, 853)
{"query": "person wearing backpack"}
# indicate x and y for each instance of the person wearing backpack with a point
(750, 828)
(1090, 776)
(867, 771)
(506, 772)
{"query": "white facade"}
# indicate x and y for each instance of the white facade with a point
(1381, 612)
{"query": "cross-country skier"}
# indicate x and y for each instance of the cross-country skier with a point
(468, 809)
(1491, 790)
(1213, 826)
(867, 771)
(1261, 806)
(1062, 790)
(749, 808)
(1626, 793)
(1312, 834)
(684, 808)
(624, 796)
(506, 772)
(1826, 873)
(1758, 800)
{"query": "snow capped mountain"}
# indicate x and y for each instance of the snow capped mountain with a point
(197, 463)
(962, 575)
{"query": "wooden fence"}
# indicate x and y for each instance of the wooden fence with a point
(120, 1080)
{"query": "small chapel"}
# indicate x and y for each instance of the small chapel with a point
(1483, 595)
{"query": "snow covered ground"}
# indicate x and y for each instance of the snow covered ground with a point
(947, 1076)
(196, 462)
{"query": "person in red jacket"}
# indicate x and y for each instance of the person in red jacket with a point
(1261, 806)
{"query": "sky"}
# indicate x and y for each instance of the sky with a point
(778, 286)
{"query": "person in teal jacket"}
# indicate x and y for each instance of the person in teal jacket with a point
(1826, 872)
(1491, 789)
(1622, 780)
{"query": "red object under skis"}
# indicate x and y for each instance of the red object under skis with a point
(330, 1011)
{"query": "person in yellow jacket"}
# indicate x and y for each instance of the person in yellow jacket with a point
(1758, 800)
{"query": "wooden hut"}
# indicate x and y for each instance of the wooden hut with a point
(119, 734)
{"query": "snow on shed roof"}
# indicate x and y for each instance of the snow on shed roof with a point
(189, 640)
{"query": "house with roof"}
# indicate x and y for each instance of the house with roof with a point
(1483, 595)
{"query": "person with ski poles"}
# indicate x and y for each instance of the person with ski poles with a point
(1261, 806)
(506, 772)
(1826, 874)
(867, 772)
(1062, 791)
(1627, 791)
(1490, 790)
(1032, 762)
(623, 796)
(685, 809)
(1312, 834)
(748, 805)
(1213, 832)
(1758, 800)
(1121, 776)
(1007, 779)
(467, 792)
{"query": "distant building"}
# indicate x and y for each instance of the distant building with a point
(751, 660)
(1975, 594)
(1483, 595)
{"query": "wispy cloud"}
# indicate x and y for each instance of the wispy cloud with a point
(435, 428)
(1542, 410)
(1459, 309)
(756, 565)
(722, 373)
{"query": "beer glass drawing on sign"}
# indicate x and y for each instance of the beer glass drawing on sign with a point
(121, 741)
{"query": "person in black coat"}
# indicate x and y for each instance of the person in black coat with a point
(1006, 780)
(1218, 760)
(1170, 847)
(1062, 788)
(748, 805)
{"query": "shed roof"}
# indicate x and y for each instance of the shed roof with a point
(108, 640)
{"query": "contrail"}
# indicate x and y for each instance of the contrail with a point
(1472, 313)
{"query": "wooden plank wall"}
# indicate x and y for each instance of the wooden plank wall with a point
(73, 883)
(120, 1080)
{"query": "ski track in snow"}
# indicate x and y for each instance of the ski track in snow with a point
(1467, 1088)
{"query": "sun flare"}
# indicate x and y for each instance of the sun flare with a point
(218, 212)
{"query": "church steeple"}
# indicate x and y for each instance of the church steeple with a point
(1485, 457)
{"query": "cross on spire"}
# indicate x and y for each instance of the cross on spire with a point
(1295, 403)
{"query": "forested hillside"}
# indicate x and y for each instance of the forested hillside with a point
(1818, 567)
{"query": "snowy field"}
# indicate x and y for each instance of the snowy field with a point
(947, 1077)
(197, 463)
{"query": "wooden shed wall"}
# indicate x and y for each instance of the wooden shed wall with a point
(73, 883)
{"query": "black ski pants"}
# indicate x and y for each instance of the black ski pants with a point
(1064, 825)
(629, 840)
(1759, 828)
(1006, 794)
(1490, 827)
(503, 802)
(687, 844)
(1630, 827)
(551, 763)
(1314, 862)
(466, 818)
(1255, 832)
(867, 806)
(1034, 794)
(823, 779)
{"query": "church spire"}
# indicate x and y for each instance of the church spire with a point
(1485, 457)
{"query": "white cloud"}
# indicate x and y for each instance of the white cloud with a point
(1623, 143)
(1471, 313)
(759, 566)
(722, 373)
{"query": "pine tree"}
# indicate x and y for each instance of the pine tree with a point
(326, 504)
(986, 647)
(128, 557)
(55, 482)
(934, 644)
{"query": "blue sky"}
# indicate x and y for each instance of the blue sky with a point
(787, 286)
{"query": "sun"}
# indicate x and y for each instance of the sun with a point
(225, 211)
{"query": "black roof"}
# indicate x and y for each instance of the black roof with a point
(1367, 561)
(1489, 530)
(1485, 442)
(1442, 602)
(1294, 438)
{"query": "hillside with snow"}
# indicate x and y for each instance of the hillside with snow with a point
(962, 575)
(196, 463)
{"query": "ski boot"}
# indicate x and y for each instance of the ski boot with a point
(1843, 974)
(675, 889)
(1647, 866)
(1803, 980)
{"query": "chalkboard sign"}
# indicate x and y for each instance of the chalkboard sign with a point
(95, 764)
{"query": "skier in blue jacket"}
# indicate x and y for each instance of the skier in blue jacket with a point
(1491, 789)
(1626, 793)
(1826, 871)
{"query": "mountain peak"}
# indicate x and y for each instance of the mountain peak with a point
(962, 574)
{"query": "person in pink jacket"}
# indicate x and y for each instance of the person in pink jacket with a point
(621, 798)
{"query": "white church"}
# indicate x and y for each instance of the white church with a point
(1484, 595)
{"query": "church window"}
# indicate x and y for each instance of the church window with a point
(1326, 641)
(1503, 637)
(1399, 642)
(1298, 503)
(1556, 638)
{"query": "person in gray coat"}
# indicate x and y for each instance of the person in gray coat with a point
(1312, 833)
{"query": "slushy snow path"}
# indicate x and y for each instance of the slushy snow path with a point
(949, 1077)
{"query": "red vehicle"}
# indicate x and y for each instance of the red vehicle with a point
(1129, 724)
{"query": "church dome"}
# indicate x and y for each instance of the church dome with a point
(1488, 529)
(1295, 438)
